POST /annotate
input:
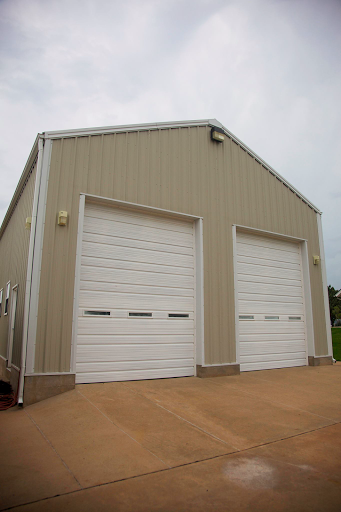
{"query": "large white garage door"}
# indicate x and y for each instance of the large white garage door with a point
(136, 298)
(270, 301)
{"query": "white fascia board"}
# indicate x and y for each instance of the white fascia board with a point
(128, 127)
(82, 132)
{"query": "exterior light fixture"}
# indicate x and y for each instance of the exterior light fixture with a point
(28, 222)
(316, 260)
(217, 134)
(62, 218)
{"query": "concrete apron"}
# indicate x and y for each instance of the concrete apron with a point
(266, 440)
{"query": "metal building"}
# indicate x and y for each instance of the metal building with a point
(152, 251)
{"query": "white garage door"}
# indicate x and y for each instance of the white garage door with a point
(136, 298)
(270, 300)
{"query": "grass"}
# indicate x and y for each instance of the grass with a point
(336, 335)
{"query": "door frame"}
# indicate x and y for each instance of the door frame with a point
(11, 324)
(307, 301)
(199, 358)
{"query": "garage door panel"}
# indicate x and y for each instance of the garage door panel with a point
(267, 254)
(136, 288)
(254, 297)
(120, 366)
(271, 327)
(143, 233)
(136, 244)
(122, 339)
(270, 365)
(272, 281)
(136, 255)
(259, 270)
(140, 352)
(268, 262)
(136, 277)
(122, 375)
(273, 338)
(93, 261)
(270, 289)
(267, 242)
(101, 299)
(89, 325)
(275, 357)
(128, 217)
(270, 308)
(272, 347)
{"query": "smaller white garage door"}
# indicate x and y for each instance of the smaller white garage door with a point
(136, 298)
(270, 302)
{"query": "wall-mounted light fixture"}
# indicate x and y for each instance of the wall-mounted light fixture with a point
(217, 134)
(28, 222)
(62, 218)
(316, 260)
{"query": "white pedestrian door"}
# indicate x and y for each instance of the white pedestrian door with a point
(136, 298)
(270, 303)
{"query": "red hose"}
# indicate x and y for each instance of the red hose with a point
(7, 397)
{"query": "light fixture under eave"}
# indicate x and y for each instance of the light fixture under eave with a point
(316, 260)
(217, 134)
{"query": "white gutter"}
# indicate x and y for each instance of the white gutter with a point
(29, 270)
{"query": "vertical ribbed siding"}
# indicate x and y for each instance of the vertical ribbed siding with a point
(14, 246)
(178, 169)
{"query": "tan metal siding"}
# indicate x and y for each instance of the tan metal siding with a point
(179, 169)
(14, 245)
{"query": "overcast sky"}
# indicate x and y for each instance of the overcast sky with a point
(268, 70)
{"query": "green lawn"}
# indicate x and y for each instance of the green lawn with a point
(336, 334)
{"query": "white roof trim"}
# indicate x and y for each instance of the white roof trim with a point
(129, 128)
(82, 132)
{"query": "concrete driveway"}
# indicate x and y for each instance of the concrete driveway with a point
(266, 440)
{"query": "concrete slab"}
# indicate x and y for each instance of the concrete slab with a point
(171, 439)
(233, 415)
(307, 390)
(30, 468)
(95, 450)
(318, 451)
(249, 481)
(118, 440)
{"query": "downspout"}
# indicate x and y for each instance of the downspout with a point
(29, 270)
(325, 285)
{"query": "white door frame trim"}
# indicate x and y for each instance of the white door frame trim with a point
(199, 357)
(309, 326)
(11, 324)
